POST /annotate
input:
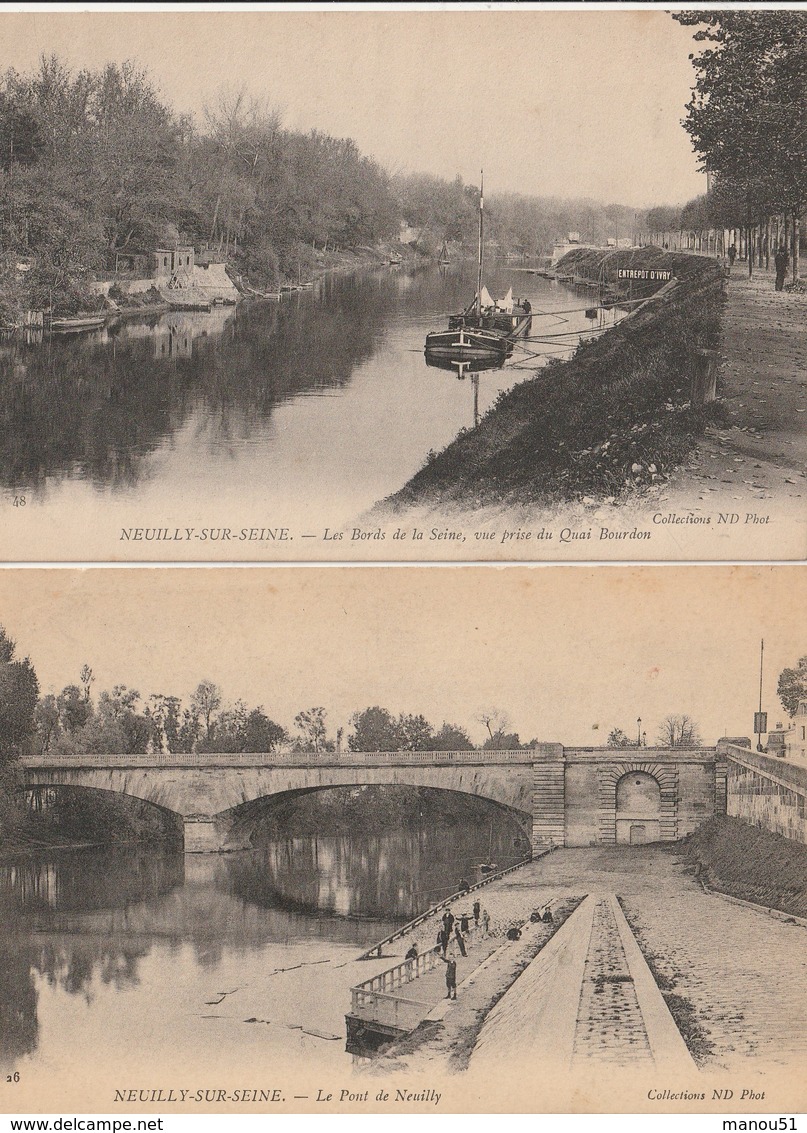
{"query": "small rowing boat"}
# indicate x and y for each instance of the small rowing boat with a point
(72, 324)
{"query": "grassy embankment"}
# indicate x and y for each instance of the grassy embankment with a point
(753, 864)
(607, 422)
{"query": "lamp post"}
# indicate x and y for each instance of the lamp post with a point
(639, 732)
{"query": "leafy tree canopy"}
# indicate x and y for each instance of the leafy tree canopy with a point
(792, 686)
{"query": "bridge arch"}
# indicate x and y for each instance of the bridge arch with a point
(237, 819)
(42, 797)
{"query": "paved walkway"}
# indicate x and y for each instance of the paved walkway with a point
(736, 977)
(742, 973)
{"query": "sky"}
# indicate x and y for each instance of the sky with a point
(583, 103)
(561, 649)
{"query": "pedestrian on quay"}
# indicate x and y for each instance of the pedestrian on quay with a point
(464, 886)
(451, 977)
(781, 260)
(485, 922)
(412, 954)
(460, 939)
(477, 910)
(465, 923)
(448, 921)
(732, 255)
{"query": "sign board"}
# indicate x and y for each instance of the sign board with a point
(659, 274)
(760, 723)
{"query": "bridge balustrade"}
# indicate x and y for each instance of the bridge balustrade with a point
(281, 759)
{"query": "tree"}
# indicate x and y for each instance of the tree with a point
(502, 741)
(46, 721)
(792, 686)
(417, 733)
(679, 730)
(227, 735)
(617, 738)
(374, 729)
(494, 719)
(165, 712)
(261, 733)
(19, 693)
(451, 737)
(748, 114)
(311, 723)
(119, 724)
(205, 702)
(21, 140)
(86, 677)
(74, 709)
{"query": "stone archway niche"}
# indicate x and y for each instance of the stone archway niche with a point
(638, 809)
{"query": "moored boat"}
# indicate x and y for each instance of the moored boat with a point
(487, 327)
(72, 323)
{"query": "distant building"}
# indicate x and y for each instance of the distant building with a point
(796, 734)
(169, 263)
(789, 741)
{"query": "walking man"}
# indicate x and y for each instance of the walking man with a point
(732, 254)
(781, 259)
(477, 910)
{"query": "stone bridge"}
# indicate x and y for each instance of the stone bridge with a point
(565, 796)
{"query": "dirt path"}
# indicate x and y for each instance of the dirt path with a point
(762, 450)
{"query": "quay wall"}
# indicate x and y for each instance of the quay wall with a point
(766, 792)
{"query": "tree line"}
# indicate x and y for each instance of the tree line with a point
(95, 164)
(747, 119)
(120, 721)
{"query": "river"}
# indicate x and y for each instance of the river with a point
(298, 412)
(118, 958)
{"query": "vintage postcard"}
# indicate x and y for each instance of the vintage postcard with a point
(389, 284)
(402, 841)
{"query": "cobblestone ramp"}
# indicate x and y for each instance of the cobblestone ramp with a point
(587, 1000)
(610, 1027)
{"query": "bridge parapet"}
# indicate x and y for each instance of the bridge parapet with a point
(765, 791)
(291, 759)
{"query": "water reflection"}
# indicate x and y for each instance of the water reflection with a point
(320, 401)
(142, 941)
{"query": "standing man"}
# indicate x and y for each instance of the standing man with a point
(732, 254)
(781, 259)
(451, 976)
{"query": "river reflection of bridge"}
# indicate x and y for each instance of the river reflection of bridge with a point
(81, 928)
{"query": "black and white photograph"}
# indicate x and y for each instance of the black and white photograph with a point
(334, 840)
(396, 284)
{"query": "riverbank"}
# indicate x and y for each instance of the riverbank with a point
(609, 423)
